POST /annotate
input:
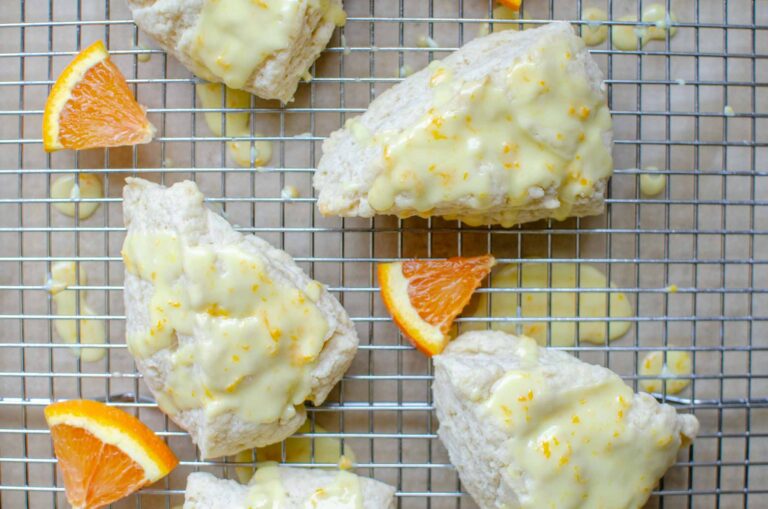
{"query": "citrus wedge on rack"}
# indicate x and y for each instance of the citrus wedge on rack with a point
(104, 453)
(425, 296)
(91, 106)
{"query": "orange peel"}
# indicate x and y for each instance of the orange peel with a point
(512, 4)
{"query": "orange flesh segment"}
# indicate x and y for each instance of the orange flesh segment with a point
(83, 457)
(440, 289)
(102, 112)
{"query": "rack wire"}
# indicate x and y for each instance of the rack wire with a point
(707, 234)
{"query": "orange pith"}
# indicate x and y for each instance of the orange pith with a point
(437, 291)
(96, 472)
(92, 106)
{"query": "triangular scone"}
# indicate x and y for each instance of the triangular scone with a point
(230, 334)
(530, 427)
(263, 47)
(512, 127)
(289, 488)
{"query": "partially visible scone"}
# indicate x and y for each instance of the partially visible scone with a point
(289, 488)
(231, 336)
(530, 427)
(263, 47)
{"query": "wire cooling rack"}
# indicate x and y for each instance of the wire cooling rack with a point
(707, 234)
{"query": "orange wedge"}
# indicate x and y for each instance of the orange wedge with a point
(104, 453)
(91, 106)
(512, 4)
(425, 296)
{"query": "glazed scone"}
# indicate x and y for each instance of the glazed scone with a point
(513, 127)
(263, 47)
(529, 427)
(231, 336)
(289, 488)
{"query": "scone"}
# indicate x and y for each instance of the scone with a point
(529, 427)
(231, 336)
(263, 47)
(513, 127)
(289, 488)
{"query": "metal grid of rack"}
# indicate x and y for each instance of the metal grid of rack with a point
(707, 234)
